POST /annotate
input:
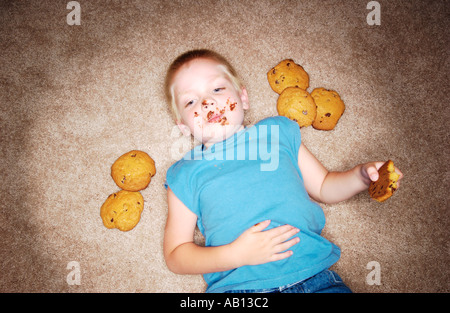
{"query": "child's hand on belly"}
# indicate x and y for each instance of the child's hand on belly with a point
(256, 246)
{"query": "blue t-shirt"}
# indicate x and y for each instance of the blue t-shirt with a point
(246, 179)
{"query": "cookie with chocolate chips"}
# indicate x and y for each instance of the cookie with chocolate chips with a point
(133, 170)
(297, 105)
(287, 74)
(386, 185)
(122, 210)
(330, 108)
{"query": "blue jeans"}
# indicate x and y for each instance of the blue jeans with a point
(325, 282)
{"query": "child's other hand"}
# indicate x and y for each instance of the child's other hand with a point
(256, 246)
(369, 172)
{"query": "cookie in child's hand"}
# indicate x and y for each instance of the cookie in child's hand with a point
(287, 74)
(330, 108)
(122, 210)
(133, 171)
(386, 184)
(298, 105)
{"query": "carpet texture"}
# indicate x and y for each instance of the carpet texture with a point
(76, 97)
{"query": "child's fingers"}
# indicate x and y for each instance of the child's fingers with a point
(281, 256)
(401, 176)
(281, 233)
(397, 170)
(261, 226)
(372, 172)
(286, 234)
(287, 244)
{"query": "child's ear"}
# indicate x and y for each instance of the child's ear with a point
(184, 129)
(244, 99)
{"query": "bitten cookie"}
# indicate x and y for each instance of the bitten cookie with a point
(298, 105)
(133, 171)
(386, 184)
(122, 210)
(287, 74)
(330, 108)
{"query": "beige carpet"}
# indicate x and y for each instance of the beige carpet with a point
(74, 98)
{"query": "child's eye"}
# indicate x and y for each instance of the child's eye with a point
(189, 103)
(219, 89)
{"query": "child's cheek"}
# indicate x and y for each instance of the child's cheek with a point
(198, 120)
(231, 105)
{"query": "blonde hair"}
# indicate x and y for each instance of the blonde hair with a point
(189, 56)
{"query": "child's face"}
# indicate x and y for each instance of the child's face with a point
(210, 107)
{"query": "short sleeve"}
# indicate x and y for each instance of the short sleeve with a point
(289, 134)
(178, 179)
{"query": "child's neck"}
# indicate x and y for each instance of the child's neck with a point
(208, 144)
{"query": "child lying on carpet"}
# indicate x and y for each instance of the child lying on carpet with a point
(262, 231)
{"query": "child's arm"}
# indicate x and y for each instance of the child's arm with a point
(333, 187)
(254, 246)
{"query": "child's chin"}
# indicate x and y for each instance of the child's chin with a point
(216, 132)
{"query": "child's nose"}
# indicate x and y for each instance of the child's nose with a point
(208, 104)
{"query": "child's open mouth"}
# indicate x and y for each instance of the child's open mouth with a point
(218, 118)
(214, 118)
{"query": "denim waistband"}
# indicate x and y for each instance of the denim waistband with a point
(325, 281)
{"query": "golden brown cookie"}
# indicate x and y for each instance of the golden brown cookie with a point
(122, 210)
(287, 74)
(386, 184)
(330, 108)
(133, 171)
(298, 105)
